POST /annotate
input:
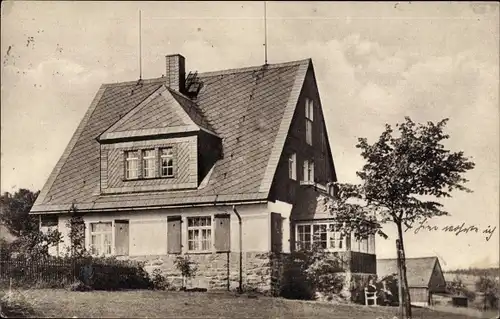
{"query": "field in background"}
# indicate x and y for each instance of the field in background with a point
(161, 304)
(468, 279)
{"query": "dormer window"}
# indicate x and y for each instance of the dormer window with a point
(148, 163)
(167, 162)
(309, 120)
(131, 165)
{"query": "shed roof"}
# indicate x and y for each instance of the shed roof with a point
(418, 270)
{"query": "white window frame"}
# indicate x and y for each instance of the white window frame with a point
(362, 246)
(309, 120)
(148, 163)
(292, 166)
(331, 235)
(201, 229)
(170, 157)
(101, 233)
(128, 161)
(308, 167)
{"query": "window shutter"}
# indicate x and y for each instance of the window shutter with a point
(174, 242)
(276, 233)
(121, 237)
(222, 230)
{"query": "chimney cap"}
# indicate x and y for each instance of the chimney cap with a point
(173, 55)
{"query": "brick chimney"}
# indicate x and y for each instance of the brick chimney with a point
(175, 72)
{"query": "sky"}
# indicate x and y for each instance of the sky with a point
(375, 63)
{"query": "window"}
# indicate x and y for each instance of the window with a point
(199, 233)
(336, 238)
(145, 164)
(323, 235)
(167, 162)
(100, 238)
(309, 120)
(320, 235)
(292, 166)
(303, 237)
(48, 222)
(332, 189)
(361, 245)
(148, 163)
(131, 165)
(308, 171)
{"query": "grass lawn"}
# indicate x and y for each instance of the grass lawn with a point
(161, 304)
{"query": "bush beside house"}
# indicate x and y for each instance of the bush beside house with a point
(311, 275)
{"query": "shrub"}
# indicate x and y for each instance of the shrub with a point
(489, 287)
(457, 287)
(309, 272)
(187, 268)
(295, 283)
(108, 273)
(159, 281)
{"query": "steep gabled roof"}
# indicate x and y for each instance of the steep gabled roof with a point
(418, 270)
(250, 109)
(163, 111)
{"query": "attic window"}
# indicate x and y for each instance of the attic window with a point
(148, 163)
(131, 165)
(309, 120)
(292, 166)
(308, 171)
(167, 162)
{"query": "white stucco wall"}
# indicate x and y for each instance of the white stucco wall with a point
(148, 228)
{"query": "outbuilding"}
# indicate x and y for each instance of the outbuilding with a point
(425, 277)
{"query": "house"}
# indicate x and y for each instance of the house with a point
(425, 277)
(211, 165)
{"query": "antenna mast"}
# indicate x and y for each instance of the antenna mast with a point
(140, 47)
(265, 32)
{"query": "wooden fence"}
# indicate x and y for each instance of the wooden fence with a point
(52, 272)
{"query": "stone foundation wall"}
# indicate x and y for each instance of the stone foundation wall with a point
(220, 271)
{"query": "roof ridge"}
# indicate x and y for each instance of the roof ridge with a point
(253, 68)
(214, 73)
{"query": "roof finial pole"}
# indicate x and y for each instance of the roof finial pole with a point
(265, 31)
(140, 47)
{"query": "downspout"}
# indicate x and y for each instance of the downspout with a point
(240, 284)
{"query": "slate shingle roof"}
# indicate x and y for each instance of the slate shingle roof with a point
(249, 108)
(418, 270)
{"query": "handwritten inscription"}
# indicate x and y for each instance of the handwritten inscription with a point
(456, 229)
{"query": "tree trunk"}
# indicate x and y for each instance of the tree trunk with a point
(400, 279)
(404, 281)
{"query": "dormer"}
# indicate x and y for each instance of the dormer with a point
(164, 143)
